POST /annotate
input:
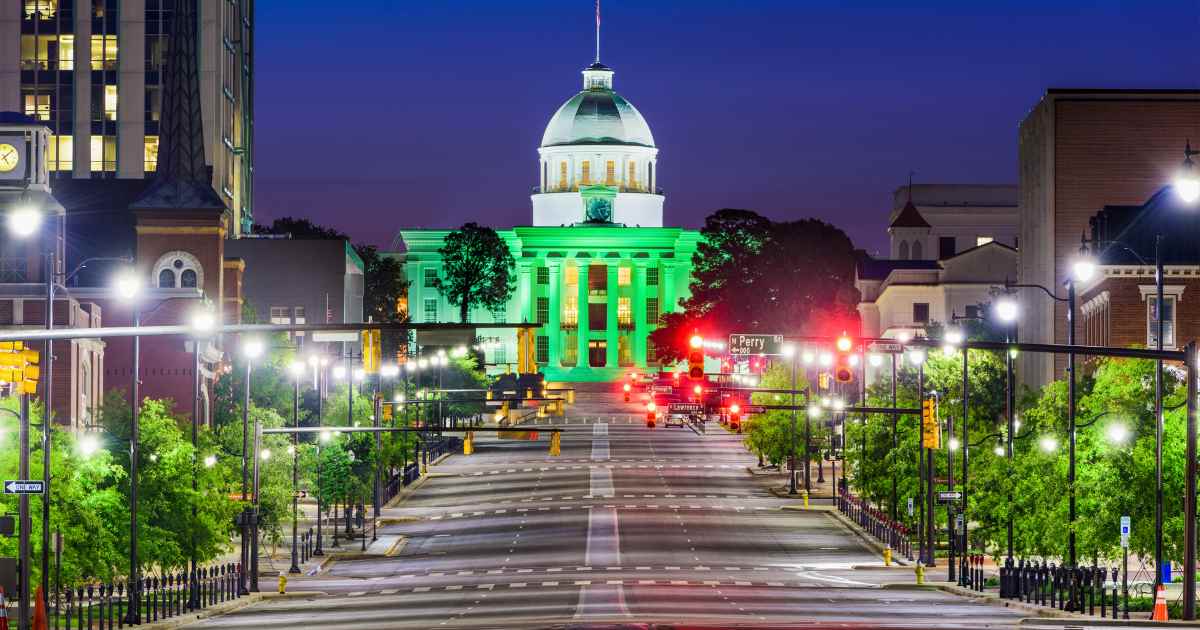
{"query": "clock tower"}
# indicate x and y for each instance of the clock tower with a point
(25, 185)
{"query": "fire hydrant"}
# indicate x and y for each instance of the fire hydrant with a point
(283, 583)
(887, 556)
(920, 574)
(806, 499)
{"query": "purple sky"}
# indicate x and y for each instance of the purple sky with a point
(396, 113)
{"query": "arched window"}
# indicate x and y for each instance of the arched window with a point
(166, 279)
(178, 269)
(903, 250)
(917, 251)
(187, 279)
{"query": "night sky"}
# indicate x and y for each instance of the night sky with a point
(374, 115)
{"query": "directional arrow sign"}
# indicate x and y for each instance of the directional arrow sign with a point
(742, 344)
(946, 497)
(754, 409)
(15, 486)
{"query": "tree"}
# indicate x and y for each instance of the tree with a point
(386, 286)
(300, 229)
(477, 269)
(754, 275)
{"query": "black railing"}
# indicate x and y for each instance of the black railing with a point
(107, 605)
(876, 523)
(1076, 589)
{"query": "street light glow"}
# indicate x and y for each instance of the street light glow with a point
(826, 359)
(999, 451)
(1118, 433)
(852, 360)
(127, 285)
(696, 341)
(875, 360)
(210, 461)
(1187, 184)
(24, 221)
(88, 445)
(916, 356)
(814, 411)
(954, 337)
(339, 372)
(389, 370)
(325, 436)
(296, 369)
(1083, 269)
(838, 404)
(252, 348)
(203, 322)
(265, 454)
(844, 343)
(953, 444)
(789, 350)
(903, 336)
(1048, 444)
(808, 357)
(1006, 309)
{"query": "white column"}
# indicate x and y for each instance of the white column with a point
(131, 90)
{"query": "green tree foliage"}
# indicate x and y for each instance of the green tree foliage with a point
(754, 275)
(477, 269)
(770, 435)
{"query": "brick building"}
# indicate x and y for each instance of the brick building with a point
(1118, 306)
(1080, 150)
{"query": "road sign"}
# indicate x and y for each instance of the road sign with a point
(910, 506)
(885, 347)
(948, 497)
(753, 409)
(684, 408)
(663, 389)
(1125, 532)
(26, 486)
(755, 344)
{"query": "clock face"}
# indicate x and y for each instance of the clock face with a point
(8, 157)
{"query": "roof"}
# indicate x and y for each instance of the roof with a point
(597, 115)
(909, 217)
(1125, 235)
(878, 268)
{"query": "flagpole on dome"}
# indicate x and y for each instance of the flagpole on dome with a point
(597, 31)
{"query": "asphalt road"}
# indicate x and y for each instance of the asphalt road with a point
(628, 526)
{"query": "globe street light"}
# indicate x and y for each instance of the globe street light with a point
(1007, 310)
(1048, 444)
(296, 369)
(24, 221)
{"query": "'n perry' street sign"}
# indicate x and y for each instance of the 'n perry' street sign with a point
(886, 347)
(947, 497)
(14, 486)
(684, 408)
(755, 344)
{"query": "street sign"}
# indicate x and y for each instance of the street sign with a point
(910, 506)
(755, 344)
(663, 389)
(885, 347)
(753, 409)
(8, 525)
(1125, 532)
(948, 497)
(958, 522)
(28, 486)
(684, 408)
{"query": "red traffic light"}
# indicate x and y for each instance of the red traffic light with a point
(650, 407)
(844, 343)
(697, 341)
(735, 409)
(627, 387)
(699, 390)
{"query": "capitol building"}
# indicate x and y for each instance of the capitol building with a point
(596, 267)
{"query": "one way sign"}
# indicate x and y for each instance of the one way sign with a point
(31, 486)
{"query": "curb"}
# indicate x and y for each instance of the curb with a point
(870, 542)
(1052, 616)
(222, 609)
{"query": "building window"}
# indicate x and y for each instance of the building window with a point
(570, 349)
(918, 252)
(598, 280)
(281, 315)
(104, 153)
(431, 276)
(586, 169)
(570, 314)
(624, 351)
(542, 313)
(983, 240)
(652, 277)
(183, 271)
(597, 353)
(166, 279)
(598, 316)
(651, 353)
(946, 247)
(110, 102)
(61, 155)
(610, 173)
(920, 312)
(299, 318)
(37, 106)
(624, 276)
(632, 183)
(652, 310)
(1168, 320)
(972, 312)
(104, 52)
(44, 9)
(150, 154)
(903, 250)
(543, 275)
(431, 310)
(187, 279)
(562, 175)
(543, 349)
(624, 312)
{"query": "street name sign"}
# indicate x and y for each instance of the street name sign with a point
(754, 409)
(740, 343)
(910, 506)
(886, 347)
(663, 389)
(23, 486)
(684, 408)
(947, 497)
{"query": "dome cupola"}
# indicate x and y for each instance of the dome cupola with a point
(597, 116)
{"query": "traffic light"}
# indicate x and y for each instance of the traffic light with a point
(371, 351)
(627, 389)
(843, 370)
(695, 358)
(388, 410)
(735, 415)
(844, 343)
(823, 380)
(930, 435)
(651, 413)
(18, 366)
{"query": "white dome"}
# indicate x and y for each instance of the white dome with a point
(597, 115)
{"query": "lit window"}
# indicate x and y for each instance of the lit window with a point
(104, 52)
(597, 280)
(651, 352)
(597, 316)
(150, 154)
(610, 173)
(1168, 313)
(45, 9)
(632, 175)
(562, 175)
(280, 315)
(61, 153)
(298, 318)
(586, 179)
(652, 277)
(983, 240)
(431, 310)
(66, 52)
(571, 275)
(37, 106)
(624, 276)
(104, 153)
(430, 278)
(570, 314)
(543, 310)
(624, 312)
(543, 349)
(110, 102)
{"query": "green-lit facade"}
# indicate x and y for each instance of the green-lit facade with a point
(624, 277)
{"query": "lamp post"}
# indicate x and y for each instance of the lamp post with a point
(128, 290)
(252, 348)
(789, 351)
(319, 363)
(297, 371)
(916, 356)
(203, 322)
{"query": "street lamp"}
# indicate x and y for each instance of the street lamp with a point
(1048, 444)
(1187, 182)
(1006, 309)
(88, 444)
(252, 348)
(24, 221)
(296, 369)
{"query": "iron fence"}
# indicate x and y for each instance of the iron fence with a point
(104, 606)
(1077, 589)
(876, 523)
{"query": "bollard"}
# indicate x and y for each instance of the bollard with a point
(469, 443)
(282, 582)
(920, 569)
(887, 556)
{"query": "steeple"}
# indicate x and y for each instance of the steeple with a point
(182, 179)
